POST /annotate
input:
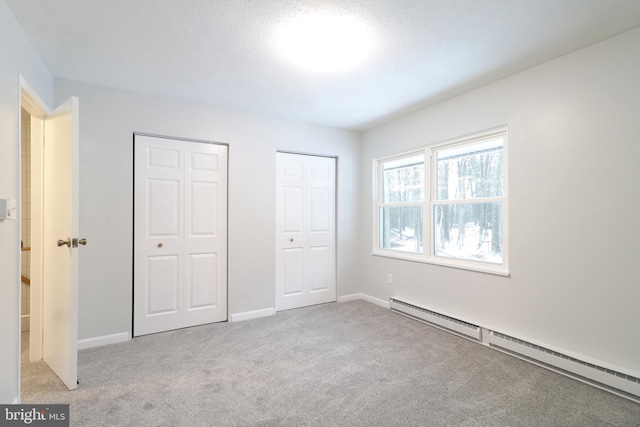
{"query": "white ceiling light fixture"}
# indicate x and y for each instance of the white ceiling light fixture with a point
(325, 42)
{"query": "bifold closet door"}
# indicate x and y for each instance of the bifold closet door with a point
(305, 230)
(180, 234)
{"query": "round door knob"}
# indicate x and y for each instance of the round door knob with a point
(291, 239)
(159, 245)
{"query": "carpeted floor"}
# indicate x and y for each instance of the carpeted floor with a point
(342, 364)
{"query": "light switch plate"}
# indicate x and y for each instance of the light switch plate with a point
(7, 209)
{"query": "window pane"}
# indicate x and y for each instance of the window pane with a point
(470, 171)
(401, 228)
(403, 179)
(469, 231)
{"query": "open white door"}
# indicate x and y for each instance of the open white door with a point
(60, 264)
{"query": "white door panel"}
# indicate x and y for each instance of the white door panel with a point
(164, 158)
(293, 271)
(206, 240)
(320, 268)
(202, 281)
(292, 209)
(202, 198)
(163, 273)
(305, 228)
(60, 222)
(163, 213)
(180, 219)
(320, 204)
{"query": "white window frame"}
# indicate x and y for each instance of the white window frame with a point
(379, 198)
(428, 256)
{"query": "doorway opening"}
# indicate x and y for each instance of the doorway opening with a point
(32, 114)
(34, 372)
(51, 297)
(25, 218)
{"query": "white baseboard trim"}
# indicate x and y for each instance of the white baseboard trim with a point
(350, 297)
(104, 340)
(248, 315)
(376, 301)
(367, 298)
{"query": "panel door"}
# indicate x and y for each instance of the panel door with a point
(60, 255)
(305, 229)
(205, 233)
(180, 228)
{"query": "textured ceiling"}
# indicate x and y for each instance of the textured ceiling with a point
(222, 52)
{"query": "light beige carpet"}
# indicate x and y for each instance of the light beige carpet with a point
(341, 364)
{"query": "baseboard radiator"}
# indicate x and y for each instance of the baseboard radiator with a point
(616, 382)
(458, 327)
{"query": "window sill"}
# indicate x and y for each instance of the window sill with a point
(498, 270)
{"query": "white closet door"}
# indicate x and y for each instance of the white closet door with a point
(305, 228)
(205, 233)
(180, 225)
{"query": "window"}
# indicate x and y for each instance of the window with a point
(446, 204)
(402, 200)
(467, 201)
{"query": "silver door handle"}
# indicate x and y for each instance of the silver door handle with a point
(64, 242)
(75, 242)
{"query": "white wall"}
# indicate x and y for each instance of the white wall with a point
(574, 235)
(574, 208)
(108, 118)
(17, 57)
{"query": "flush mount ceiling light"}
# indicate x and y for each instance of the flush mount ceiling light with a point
(325, 42)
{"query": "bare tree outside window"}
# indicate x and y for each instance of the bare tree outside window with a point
(402, 199)
(473, 174)
(446, 204)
